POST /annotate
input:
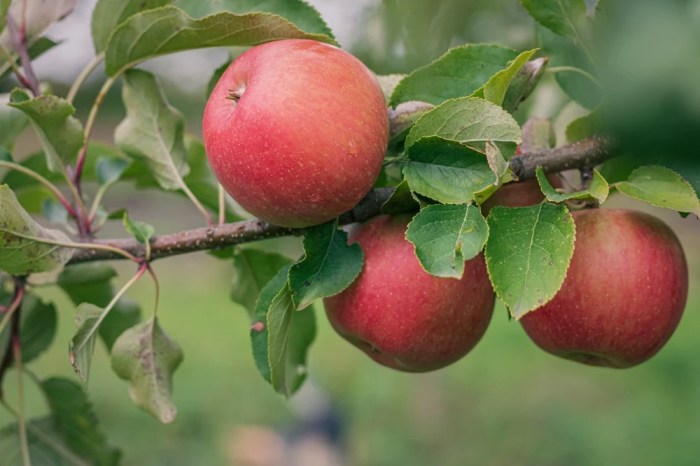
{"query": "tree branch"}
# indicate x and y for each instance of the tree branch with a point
(588, 152)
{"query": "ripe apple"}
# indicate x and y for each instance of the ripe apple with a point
(295, 131)
(401, 316)
(624, 292)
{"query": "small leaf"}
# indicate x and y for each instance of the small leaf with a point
(528, 253)
(446, 171)
(108, 14)
(52, 117)
(563, 17)
(54, 212)
(21, 248)
(523, 83)
(168, 29)
(143, 232)
(400, 201)
(281, 336)
(458, 73)
(662, 187)
(299, 12)
(598, 189)
(91, 283)
(329, 264)
(153, 131)
(108, 170)
(497, 86)
(469, 120)
(583, 127)
(82, 345)
(252, 269)
(445, 236)
(76, 422)
(147, 357)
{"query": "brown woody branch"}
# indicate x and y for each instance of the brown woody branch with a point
(588, 152)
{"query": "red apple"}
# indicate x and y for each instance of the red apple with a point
(295, 131)
(624, 292)
(401, 316)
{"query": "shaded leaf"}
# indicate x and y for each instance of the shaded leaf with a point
(445, 236)
(528, 253)
(281, 336)
(400, 201)
(458, 73)
(21, 248)
(76, 422)
(168, 29)
(329, 264)
(143, 232)
(46, 445)
(12, 122)
(523, 83)
(153, 131)
(108, 170)
(252, 269)
(598, 189)
(662, 187)
(147, 357)
(446, 171)
(563, 17)
(61, 134)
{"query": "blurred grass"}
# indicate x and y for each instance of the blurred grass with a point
(506, 403)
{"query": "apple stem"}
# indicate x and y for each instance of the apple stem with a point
(234, 95)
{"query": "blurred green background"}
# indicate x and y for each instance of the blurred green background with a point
(506, 403)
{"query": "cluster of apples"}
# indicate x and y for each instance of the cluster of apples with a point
(296, 132)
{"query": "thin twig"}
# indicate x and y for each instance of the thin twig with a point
(46, 183)
(20, 44)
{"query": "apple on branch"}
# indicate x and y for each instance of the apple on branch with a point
(623, 295)
(401, 316)
(296, 131)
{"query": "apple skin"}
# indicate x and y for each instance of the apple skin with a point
(401, 316)
(624, 292)
(296, 131)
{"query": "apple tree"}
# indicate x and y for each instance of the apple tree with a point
(468, 180)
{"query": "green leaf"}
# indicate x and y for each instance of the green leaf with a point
(523, 83)
(147, 357)
(445, 236)
(563, 17)
(91, 283)
(108, 170)
(37, 327)
(46, 446)
(662, 187)
(469, 120)
(598, 189)
(497, 86)
(76, 423)
(329, 264)
(299, 12)
(108, 14)
(400, 201)
(22, 246)
(61, 134)
(446, 171)
(252, 269)
(54, 212)
(153, 131)
(281, 336)
(168, 29)
(563, 52)
(82, 345)
(583, 127)
(528, 253)
(12, 122)
(458, 73)
(143, 232)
